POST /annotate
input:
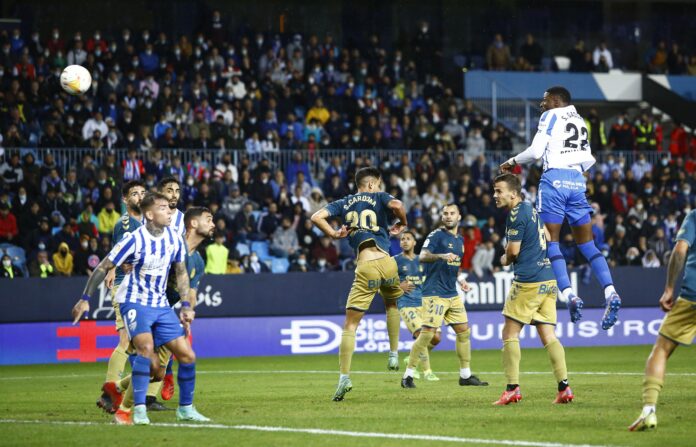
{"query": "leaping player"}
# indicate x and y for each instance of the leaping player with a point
(562, 142)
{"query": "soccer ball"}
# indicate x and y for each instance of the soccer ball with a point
(75, 79)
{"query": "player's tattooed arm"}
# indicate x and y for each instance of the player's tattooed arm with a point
(182, 281)
(98, 276)
(82, 306)
(426, 256)
(319, 219)
(674, 269)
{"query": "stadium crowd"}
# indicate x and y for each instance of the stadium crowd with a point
(153, 95)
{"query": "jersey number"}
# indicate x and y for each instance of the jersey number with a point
(572, 141)
(366, 220)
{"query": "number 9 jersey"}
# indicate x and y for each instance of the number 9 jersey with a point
(367, 216)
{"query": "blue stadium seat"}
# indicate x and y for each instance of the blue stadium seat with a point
(18, 256)
(261, 249)
(279, 265)
(242, 249)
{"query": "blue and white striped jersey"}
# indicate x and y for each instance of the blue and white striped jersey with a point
(178, 223)
(151, 258)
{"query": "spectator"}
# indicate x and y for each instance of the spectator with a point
(300, 264)
(95, 123)
(532, 52)
(8, 224)
(41, 267)
(8, 270)
(285, 242)
(63, 260)
(601, 57)
(107, 218)
(650, 260)
(498, 54)
(482, 262)
(327, 252)
(252, 264)
(622, 134)
(595, 129)
(216, 256)
(11, 173)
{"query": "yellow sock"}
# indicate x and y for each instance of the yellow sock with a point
(117, 363)
(425, 359)
(393, 322)
(651, 390)
(557, 358)
(345, 351)
(419, 348)
(124, 383)
(127, 403)
(154, 388)
(511, 360)
(464, 348)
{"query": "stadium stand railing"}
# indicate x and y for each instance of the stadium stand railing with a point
(317, 160)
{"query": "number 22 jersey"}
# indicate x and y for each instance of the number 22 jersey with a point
(367, 216)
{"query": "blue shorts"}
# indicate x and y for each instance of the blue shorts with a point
(562, 195)
(161, 322)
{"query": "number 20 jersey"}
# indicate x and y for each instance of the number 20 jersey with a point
(367, 216)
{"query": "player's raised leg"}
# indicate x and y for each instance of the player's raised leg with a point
(582, 233)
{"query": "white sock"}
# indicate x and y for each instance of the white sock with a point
(140, 407)
(394, 353)
(464, 373)
(408, 373)
(608, 291)
(567, 293)
(647, 409)
(343, 376)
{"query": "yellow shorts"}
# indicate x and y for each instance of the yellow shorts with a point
(411, 316)
(680, 323)
(379, 275)
(531, 303)
(117, 310)
(163, 354)
(435, 310)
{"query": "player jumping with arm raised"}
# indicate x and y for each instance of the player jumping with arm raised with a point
(367, 215)
(562, 142)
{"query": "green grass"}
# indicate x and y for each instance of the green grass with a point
(605, 404)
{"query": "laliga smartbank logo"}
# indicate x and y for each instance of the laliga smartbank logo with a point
(322, 336)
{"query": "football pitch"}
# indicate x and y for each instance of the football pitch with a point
(286, 401)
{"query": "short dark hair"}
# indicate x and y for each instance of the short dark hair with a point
(150, 199)
(411, 232)
(512, 181)
(562, 93)
(452, 204)
(167, 180)
(125, 189)
(364, 173)
(193, 213)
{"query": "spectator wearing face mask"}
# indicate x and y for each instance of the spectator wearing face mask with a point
(253, 265)
(300, 264)
(41, 267)
(107, 218)
(8, 270)
(63, 260)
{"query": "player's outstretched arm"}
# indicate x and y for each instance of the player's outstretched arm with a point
(674, 269)
(98, 275)
(319, 219)
(531, 154)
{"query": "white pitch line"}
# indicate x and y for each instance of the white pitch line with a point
(378, 373)
(319, 431)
